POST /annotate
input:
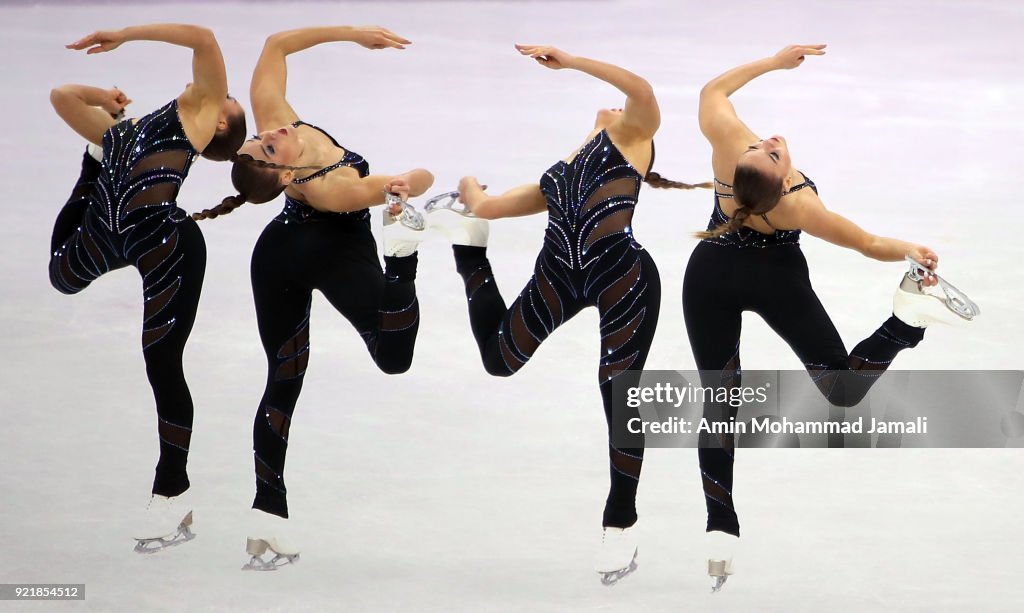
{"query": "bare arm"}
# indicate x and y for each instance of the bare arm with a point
(730, 137)
(345, 193)
(516, 202)
(641, 116)
(270, 78)
(200, 103)
(88, 110)
(813, 217)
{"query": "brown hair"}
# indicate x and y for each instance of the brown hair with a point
(755, 192)
(257, 181)
(656, 180)
(225, 143)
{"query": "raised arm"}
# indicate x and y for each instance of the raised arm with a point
(730, 137)
(641, 116)
(516, 202)
(200, 103)
(270, 78)
(88, 110)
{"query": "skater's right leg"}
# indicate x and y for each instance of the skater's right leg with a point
(70, 216)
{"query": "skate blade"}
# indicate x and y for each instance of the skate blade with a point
(257, 563)
(612, 577)
(153, 545)
(956, 300)
(448, 202)
(719, 571)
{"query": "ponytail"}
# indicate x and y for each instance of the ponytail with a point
(226, 206)
(656, 180)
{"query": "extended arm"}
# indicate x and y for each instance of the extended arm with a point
(516, 202)
(346, 194)
(270, 78)
(813, 217)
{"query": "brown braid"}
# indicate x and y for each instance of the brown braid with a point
(226, 206)
(255, 181)
(735, 223)
(656, 180)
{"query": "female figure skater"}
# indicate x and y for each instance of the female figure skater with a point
(589, 259)
(320, 241)
(123, 212)
(750, 260)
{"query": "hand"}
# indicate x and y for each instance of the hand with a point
(793, 55)
(398, 186)
(116, 102)
(927, 258)
(556, 59)
(467, 185)
(376, 37)
(99, 42)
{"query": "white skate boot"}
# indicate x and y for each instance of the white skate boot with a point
(166, 522)
(402, 232)
(455, 221)
(266, 533)
(616, 558)
(915, 306)
(720, 546)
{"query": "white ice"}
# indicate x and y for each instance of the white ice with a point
(446, 489)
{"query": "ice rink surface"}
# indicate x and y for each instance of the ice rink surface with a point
(446, 489)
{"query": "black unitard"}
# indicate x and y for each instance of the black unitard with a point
(589, 258)
(302, 250)
(747, 270)
(123, 212)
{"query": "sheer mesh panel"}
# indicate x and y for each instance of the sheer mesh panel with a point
(395, 321)
(614, 341)
(157, 256)
(551, 299)
(295, 353)
(522, 338)
(624, 187)
(172, 161)
(607, 370)
(615, 223)
(267, 475)
(618, 290)
(174, 435)
(625, 463)
(479, 277)
(157, 303)
(152, 335)
(279, 422)
(715, 491)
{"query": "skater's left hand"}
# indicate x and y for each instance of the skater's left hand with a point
(99, 42)
(927, 258)
(547, 56)
(399, 187)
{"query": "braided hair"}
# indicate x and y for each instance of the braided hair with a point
(656, 180)
(257, 181)
(755, 192)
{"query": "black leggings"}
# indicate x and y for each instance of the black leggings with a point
(169, 252)
(721, 282)
(624, 286)
(338, 257)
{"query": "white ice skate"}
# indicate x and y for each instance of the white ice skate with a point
(455, 221)
(915, 306)
(166, 522)
(720, 547)
(267, 534)
(402, 232)
(616, 557)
